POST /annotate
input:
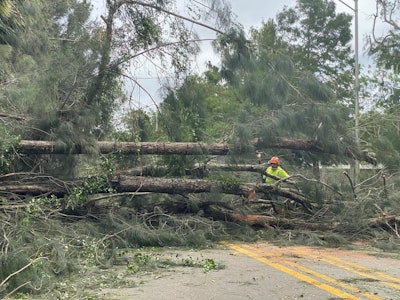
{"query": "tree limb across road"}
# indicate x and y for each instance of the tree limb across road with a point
(122, 184)
(168, 148)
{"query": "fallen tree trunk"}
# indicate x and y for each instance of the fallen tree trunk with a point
(164, 148)
(35, 188)
(217, 213)
(198, 169)
(184, 186)
(390, 223)
(167, 148)
(123, 184)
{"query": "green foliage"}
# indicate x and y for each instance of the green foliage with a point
(241, 142)
(283, 98)
(149, 259)
(39, 206)
(8, 146)
(379, 132)
(33, 253)
(55, 59)
(317, 194)
(228, 182)
(183, 119)
(147, 31)
(384, 46)
(319, 40)
(183, 112)
(93, 251)
(144, 261)
(70, 69)
(91, 185)
(207, 264)
(137, 127)
(11, 20)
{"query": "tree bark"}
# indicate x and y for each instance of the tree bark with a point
(184, 186)
(36, 188)
(167, 148)
(123, 184)
(217, 213)
(148, 170)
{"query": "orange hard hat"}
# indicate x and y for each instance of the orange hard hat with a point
(274, 160)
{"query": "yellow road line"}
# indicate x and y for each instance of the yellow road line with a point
(351, 267)
(361, 273)
(330, 289)
(315, 273)
(362, 268)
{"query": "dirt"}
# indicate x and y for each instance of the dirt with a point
(263, 271)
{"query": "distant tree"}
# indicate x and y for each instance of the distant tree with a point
(183, 111)
(319, 40)
(137, 127)
(380, 125)
(385, 49)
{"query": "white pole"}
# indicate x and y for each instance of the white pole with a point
(356, 86)
(356, 101)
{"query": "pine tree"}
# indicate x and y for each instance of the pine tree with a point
(319, 40)
(283, 99)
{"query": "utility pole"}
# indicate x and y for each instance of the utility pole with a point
(356, 87)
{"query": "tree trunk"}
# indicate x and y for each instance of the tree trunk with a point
(123, 184)
(45, 147)
(218, 213)
(184, 186)
(148, 170)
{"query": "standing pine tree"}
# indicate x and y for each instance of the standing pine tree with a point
(319, 40)
(283, 98)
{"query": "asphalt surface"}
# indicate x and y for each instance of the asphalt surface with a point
(264, 271)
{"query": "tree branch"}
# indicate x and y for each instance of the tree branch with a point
(172, 14)
(21, 269)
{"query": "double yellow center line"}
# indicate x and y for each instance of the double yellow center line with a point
(337, 288)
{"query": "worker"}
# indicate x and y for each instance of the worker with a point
(274, 172)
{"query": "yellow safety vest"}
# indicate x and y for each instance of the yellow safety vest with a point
(277, 172)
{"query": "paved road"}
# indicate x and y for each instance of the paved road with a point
(339, 274)
(263, 271)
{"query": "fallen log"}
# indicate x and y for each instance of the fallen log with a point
(391, 222)
(184, 186)
(167, 148)
(148, 170)
(122, 184)
(36, 188)
(267, 221)
(164, 148)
